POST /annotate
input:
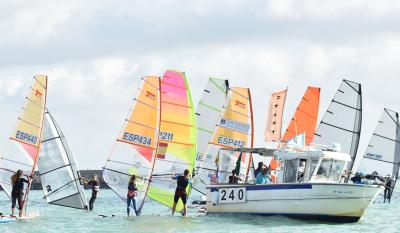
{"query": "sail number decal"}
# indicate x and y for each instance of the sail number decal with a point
(234, 125)
(231, 195)
(166, 136)
(373, 156)
(230, 142)
(137, 139)
(26, 137)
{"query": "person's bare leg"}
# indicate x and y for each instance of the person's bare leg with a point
(12, 211)
(173, 208)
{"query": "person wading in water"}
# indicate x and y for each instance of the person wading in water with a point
(180, 191)
(95, 184)
(17, 192)
(130, 197)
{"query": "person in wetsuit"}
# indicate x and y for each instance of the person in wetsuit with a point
(17, 192)
(180, 191)
(233, 179)
(130, 197)
(95, 184)
(387, 193)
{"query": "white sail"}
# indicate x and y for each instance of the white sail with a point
(207, 113)
(342, 121)
(58, 171)
(383, 151)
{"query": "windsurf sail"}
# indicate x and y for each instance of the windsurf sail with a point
(57, 168)
(383, 151)
(275, 113)
(135, 149)
(177, 145)
(342, 121)
(208, 112)
(234, 129)
(23, 147)
(306, 116)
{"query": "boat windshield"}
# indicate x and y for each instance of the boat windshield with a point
(330, 170)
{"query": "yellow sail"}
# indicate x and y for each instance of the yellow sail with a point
(24, 145)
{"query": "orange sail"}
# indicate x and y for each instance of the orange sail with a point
(305, 117)
(275, 112)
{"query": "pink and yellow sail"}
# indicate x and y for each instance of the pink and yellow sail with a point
(135, 149)
(177, 145)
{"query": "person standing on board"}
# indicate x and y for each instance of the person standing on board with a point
(387, 194)
(263, 176)
(180, 191)
(130, 197)
(95, 184)
(17, 192)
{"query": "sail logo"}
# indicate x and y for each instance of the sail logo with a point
(26, 137)
(150, 95)
(235, 125)
(137, 139)
(38, 93)
(240, 104)
(373, 156)
(230, 142)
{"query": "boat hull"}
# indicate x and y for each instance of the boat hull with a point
(335, 202)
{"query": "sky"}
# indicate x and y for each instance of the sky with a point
(94, 53)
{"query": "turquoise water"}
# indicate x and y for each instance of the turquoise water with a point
(156, 218)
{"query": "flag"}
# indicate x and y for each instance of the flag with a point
(274, 118)
(299, 140)
(238, 161)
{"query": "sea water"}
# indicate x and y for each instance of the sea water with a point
(157, 218)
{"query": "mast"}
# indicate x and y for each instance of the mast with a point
(252, 135)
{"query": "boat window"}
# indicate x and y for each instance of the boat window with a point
(314, 163)
(290, 170)
(330, 170)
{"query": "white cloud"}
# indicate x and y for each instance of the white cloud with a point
(95, 52)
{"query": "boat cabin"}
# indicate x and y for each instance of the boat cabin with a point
(312, 166)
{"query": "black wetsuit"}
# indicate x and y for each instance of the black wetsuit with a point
(95, 189)
(130, 197)
(387, 194)
(17, 192)
(233, 179)
(180, 192)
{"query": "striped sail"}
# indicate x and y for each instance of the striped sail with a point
(136, 146)
(57, 168)
(383, 151)
(23, 148)
(306, 116)
(177, 145)
(342, 120)
(208, 112)
(234, 129)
